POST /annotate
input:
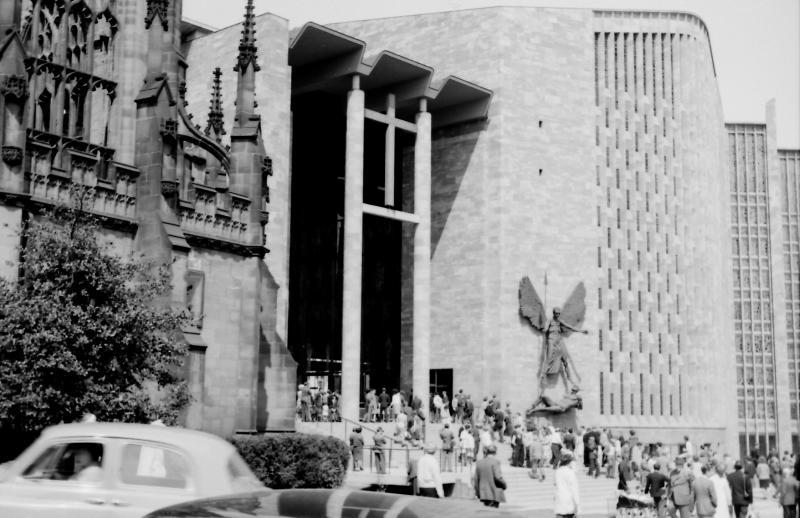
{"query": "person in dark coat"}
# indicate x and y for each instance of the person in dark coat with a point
(657, 486)
(488, 480)
(357, 449)
(380, 453)
(741, 490)
(518, 452)
(625, 474)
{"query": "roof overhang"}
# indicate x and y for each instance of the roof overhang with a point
(325, 60)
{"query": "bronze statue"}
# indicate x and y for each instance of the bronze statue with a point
(555, 358)
(546, 405)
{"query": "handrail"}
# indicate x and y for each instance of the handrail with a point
(360, 425)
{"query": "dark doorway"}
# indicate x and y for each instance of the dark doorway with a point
(317, 246)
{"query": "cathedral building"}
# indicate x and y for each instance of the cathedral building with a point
(355, 205)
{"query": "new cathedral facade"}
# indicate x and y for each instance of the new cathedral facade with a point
(354, 205)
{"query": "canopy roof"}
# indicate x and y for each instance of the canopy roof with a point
(323, 59)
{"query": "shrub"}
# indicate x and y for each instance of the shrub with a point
(295, 460)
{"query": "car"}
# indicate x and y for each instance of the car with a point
(119, 470)
(329, 503)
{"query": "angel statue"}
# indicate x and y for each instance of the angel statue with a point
(555, 359)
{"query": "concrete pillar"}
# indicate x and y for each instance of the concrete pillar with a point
(780, 336)
(353, 237)
(422, 256)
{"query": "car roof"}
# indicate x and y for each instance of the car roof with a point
(183, 437)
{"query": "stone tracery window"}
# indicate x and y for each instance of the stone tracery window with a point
(78, 22)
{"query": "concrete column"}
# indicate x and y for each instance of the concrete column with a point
(353, 237)
(780, 336)
(422, 256)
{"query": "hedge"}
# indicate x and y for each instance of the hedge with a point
(295, 460)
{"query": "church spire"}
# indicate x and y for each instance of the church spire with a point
(246, 66)
(247, 45)
(214, 128)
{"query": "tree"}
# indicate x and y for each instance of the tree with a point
(83, 330)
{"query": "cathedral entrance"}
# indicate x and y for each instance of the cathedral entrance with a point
(317, 247)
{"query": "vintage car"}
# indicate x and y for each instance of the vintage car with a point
(329, 503)
(116, 470)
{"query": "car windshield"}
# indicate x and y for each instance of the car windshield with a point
(81, 462)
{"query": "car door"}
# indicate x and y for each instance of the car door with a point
(59, 483)
(148, 476)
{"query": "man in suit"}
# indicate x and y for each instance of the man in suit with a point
(680, 483)
(657, 486)
(448, 440)
(741, 491)
(705, 496)
(488, 480)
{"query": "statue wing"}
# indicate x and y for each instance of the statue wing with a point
(530, 305)
(574, 310)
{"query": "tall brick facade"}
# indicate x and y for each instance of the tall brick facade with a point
(603, 161)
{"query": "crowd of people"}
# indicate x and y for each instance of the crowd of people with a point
(677, 480)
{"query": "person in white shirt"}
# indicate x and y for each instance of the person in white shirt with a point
(429, 478)
(467, 446)
(567, 498)
(722, 488)
(437, 408)
(486, 438)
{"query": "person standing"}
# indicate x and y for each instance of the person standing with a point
(447, 447)
(704, 496)
(567, 497)
(486, 440)
(537, 455)
(556, 445)
(569, 440)
(383, 402)
(741, 491)
(429, 478)
(437, 408)
(723, 491)
(380, 457)
(488, 480)
(357, 449)
(625, 474)
(787, 494)
(467, 440)
(657, 486)
(518, 451)
(680, 483)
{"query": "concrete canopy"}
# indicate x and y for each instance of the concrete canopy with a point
(323, 59)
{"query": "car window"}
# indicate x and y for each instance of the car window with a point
(77, 461)
(150, 465)
(242, 479)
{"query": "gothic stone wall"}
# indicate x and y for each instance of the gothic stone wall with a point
(273, 96)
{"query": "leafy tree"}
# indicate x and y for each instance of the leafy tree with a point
(83, 330)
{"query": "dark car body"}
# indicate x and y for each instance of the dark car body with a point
(331, 503)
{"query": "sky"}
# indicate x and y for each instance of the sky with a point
(756, 43)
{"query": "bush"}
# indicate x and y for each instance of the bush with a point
(295, 460)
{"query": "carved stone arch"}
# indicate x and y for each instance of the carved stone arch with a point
(79, 21)
(106, 28)
(47, 17)
(44, 110)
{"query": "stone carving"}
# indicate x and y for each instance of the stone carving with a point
(169, 187)
(157, 8)
(15, 87)
(547, 405)
(12, 155)
(169, 129)
(215, 114)
(247, 45)
(555, 359)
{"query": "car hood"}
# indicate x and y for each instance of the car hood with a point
(315, 503)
